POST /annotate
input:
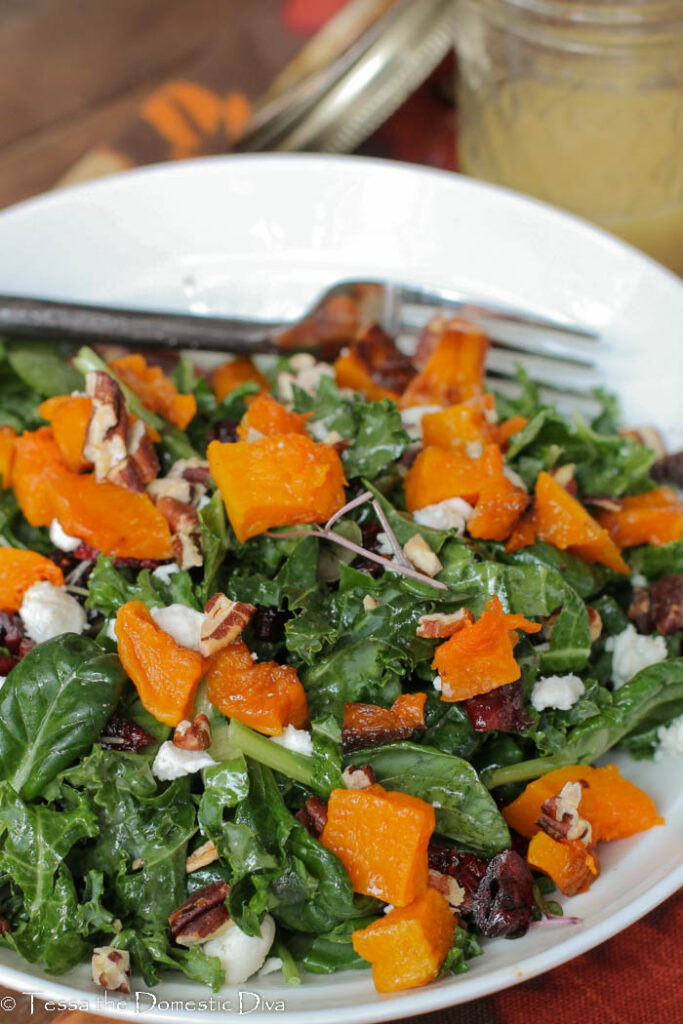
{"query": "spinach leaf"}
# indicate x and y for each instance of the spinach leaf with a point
(570, 642)
(449, 728)
(53, 707)
(18, 403)
(43, 366)
(465, 811)
(654, 694)
(324, 954)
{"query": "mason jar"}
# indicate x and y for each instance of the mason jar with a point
(579, 104)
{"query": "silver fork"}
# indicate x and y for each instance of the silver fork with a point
(555, 352)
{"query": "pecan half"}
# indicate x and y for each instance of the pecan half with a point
(223, 622)
(560, 816)
(204, 916)
(447, 886)
(645, 435)
(170, 487)
(142, 453)
(659, 607)
(195, 735)
(110, 968)
(105, 443)
(440, 624)
(603, 501)
(358, 776)
(313, 816)
(184, 522)
(201, 857)
(594, 623)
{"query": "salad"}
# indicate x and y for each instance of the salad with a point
(308, 664)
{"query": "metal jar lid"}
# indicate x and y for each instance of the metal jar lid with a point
(352, 76)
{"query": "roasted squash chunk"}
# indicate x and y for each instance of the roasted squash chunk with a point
(19, 570)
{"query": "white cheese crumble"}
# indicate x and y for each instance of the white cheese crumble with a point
(451, 514)
(182, 623)
(48, 611)
(110, 630)
(670, 739)
(272, 964)
(389, 907)
(638, 580)
(3, 680)
(474, 449)
(307, 375)
(383, 545)
(173, 762)
(411, 418)
(561, 692)
(632, 652)
(297, 740)
(241, 955)
(437, 684)
(164, 572)
(62, 540)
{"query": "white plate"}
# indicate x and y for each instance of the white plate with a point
(256, 235)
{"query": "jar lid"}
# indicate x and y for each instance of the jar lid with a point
(352, 76)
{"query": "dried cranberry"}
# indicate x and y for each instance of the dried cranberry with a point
(669, 468)
(11, 632)
(122, 734)
(501, 709)
(269, 625)
(138, 564)
(466, 868)
(224, 431)
(84, 553)
(25, 645)
(504, 901)
(7, 663)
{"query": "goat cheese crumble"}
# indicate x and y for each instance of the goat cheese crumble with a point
(632, 652)
(241, 955)
(297, 740)
(164, 572)
(182, 623)
(451, 514)
(61, 539)
(173, 762)
(561, 692)
(48, 611)
(670, 739)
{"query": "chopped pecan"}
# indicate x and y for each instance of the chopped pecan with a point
(110, 968)
(440, 624)
(603, 501)
(594, 623)
(659, 607)
(195, 735)
(358, 776)
(369, 603)
(669, 468)
(223, 622)
(421, 555)
(201, 857)
(125, 474)
(187, 535)
(142, 453)
(564, 475)
(202, 917)
(313, 816)
(560, 816)
(170, 487)
(447, 886)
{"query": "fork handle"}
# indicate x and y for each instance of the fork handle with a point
(80, 323)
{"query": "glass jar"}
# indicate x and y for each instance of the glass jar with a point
(579, 104)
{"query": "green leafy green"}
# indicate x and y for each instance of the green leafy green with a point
(53, 707)
(44, 367)
(109, 588)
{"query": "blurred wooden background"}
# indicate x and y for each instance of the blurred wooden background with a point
(73, 72)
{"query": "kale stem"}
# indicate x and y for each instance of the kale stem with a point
(290, 971)
(261, 749)
(524, 770)
(175, 440)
